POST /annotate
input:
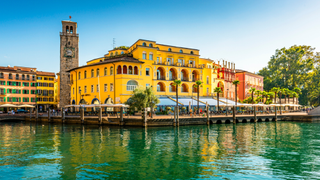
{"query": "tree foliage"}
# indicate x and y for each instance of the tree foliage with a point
(142, 98)
(294, 67)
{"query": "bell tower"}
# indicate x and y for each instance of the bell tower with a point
(69, 58)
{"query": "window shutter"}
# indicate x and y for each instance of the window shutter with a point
(4, 90)
(27, 91)
(4, 99)
(19, 99)
(19, 91)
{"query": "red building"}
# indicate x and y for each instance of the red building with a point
(248, 80)
(226, 72)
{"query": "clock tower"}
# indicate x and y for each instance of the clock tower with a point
(69, 58)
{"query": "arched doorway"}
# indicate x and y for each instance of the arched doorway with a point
(184, 75)
(160, 87)
(184, 88)
(172, 74)
(195, 76)
(161, 74)
(172, 88)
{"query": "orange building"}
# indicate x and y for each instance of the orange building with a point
(248, 80)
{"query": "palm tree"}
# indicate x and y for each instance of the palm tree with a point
(198, 85)
(236, 83)
(258, 93)
(218, 91)
(271, 96)
(276, 91)
(285, 92)
(177, 83)
(152, 99)
(264, 95)
(298, 91)
(252, 90)
(294, 96)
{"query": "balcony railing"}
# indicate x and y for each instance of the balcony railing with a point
(184, 79)
(17, 78)
(195, 79)
(69, 34)
(201, 66)
(10, 77)
(131, 87)
(161, 78)
(173, 78)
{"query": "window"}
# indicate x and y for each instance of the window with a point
(136, 70)
(51, 85)
(17, 76)
(105, 87)
(111, 87)
(181, 51)
(130, 70)
(169, 49)
(1, 75)
(28, 77)
(105, 71)
(23, 77)
(122, 52)
(85, 89)
(72, 90)
(147, 71)
(132, 85)
(97, 87)
(92, 89)
(10, 76)
(144, 55)
(92, 73)
(116, 53)
(51, 79)
(98, 72)
(150, 56)
(207, 90)
(150, 45)
(144, 44)
(158, 60)
(111, 54)
(208, 80)
(111, 71)
(79, 76)
(191, 52)
(85, 74)
(33, 78)
(45, 78)
(79, 90)
(147, 85)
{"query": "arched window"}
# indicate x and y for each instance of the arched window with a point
(98, 72)
(158, 48)
(144, 55)
(150, 56)
(85, 74)
(150, 45)
(122, 52)
(79, 75)
(10, 76)
(144, 44)
(71, 29)
(67, 29)
(105, 71)
(111, 54)
(169, 49)
(136, 72)
(125, 69)
(1, 75)
(116, 53)
(119, 70)
(111, 71)
(92, 73)
(172, 88)
(23, 77)
(191, 52)
(17, 76)
(181, 51)
(132, 85)
(207, 79)
(28, 77)
(130, 70)
(184, 88)
(160, 87)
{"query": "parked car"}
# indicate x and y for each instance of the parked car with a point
(21, 111)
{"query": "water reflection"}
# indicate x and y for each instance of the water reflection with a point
(253, 150)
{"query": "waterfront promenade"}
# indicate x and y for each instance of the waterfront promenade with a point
(160, 120)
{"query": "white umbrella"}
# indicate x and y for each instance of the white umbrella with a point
(26, 105)
(8, 105)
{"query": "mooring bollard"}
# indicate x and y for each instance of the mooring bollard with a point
(49, 115)
(208, 118)
(82, 116)
(275, 113)
(234, 115)
(121, 117)
(254, 114)
(30, 113)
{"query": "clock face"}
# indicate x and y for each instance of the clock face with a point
(68, 52)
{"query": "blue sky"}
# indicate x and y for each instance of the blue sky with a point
(244, 32)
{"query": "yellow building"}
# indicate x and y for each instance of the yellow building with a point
(112, 78)
(45, 90)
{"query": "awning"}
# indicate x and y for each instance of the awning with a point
(166, 102)
(211, 102)
(185, 102)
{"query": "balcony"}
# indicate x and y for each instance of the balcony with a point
(1, 77)
(10, 77)
(173, 78)
(17, 78)
(161, 78)
(184, 79)
(165, 63)
(195, 79)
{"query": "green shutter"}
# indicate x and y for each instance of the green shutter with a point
(4, 90)
(4, 99)
(27, 91)
(7, 90)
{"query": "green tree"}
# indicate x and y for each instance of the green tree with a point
(276, 91)
(264, 95)
(297, 66)
(236, 83)
(252, 90)
(152, 99)
(218, 91)
(258, 93)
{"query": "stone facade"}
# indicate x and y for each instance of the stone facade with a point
(69, 58)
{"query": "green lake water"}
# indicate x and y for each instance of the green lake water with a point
(270, 150)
